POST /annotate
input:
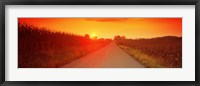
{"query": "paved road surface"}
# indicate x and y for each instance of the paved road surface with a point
(110, 56)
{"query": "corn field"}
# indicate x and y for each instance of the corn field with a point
(41, 48)
(166, 50)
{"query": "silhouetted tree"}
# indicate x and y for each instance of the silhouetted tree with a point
(87, 36)
(117, 37)
(123, 37)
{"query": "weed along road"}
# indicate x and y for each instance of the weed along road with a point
(110, 56)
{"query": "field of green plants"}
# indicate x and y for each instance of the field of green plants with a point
(155, 52)
(41, 48)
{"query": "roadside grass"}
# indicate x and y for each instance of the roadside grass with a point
(146, 60)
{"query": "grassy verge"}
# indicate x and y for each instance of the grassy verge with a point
(144, 59)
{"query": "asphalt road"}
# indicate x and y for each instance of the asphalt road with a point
(110, 56)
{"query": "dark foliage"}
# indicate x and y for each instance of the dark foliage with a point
(167, 50)
(42, 48)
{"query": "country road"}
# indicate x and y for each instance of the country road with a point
(110, 56)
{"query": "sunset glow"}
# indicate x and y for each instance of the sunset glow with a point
(100, 42)
(109, 27)
(93, 35)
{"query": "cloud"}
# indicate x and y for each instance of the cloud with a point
(108, 19)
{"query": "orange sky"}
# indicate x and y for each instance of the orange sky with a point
(109, 27)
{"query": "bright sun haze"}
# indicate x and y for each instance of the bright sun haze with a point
(93, 35)
(110, 27)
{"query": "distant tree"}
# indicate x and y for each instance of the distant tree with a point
(87, 36)
(118, 37)
(123, 37)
